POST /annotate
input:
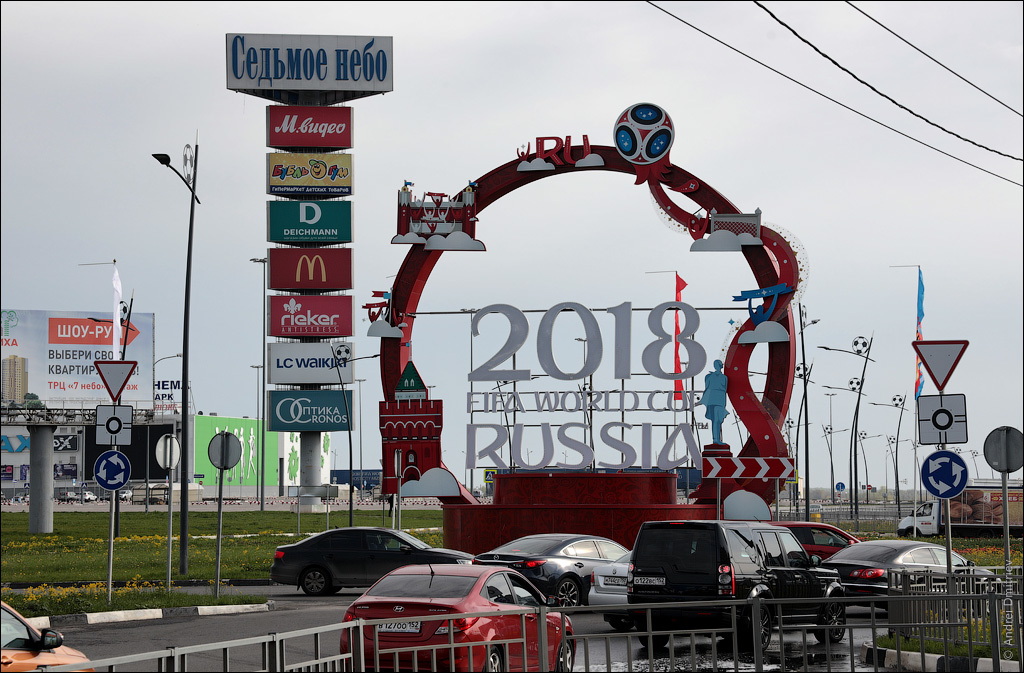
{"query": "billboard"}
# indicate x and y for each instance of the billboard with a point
(319, 127)
(310, 316)
(50, 354)
(322, 269)
(309, 175)
(309, 69)
(326, 222)
(308, 410)
(307, 363)
(247, 471)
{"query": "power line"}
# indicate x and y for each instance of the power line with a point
(885, 96)
(830, 99)
(933, 60)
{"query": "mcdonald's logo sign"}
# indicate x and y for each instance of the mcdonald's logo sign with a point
(310, 268)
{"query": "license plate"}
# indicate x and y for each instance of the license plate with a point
(648, 580)
(615, 581)
(399, 627)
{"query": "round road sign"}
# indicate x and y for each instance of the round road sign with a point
(112, 470)
(1004, 449)
(840, 486)
(225, 450)
(944, 474)
(168, 451)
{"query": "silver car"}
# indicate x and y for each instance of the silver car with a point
(608, 588)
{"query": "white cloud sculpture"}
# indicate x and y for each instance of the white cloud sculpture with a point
(384, 329)
(409, 238)
(535, 165)
(765, 333)
(457, 240)
(435, 482)
(746, 506)
(590, 160)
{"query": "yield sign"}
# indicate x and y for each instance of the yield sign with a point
(940, 358)
(115, 375)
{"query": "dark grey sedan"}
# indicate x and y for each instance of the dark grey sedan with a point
(353, 557)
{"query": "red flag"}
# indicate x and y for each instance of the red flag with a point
(680, 284)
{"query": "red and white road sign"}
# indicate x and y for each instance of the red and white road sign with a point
(115, 375)
(940, 358)
(747, 468)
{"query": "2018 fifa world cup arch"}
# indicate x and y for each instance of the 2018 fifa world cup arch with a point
(643, 139)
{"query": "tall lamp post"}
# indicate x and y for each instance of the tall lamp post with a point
(191, 166)
(803, 405)
(263, 386)
(862, 349)
(359, 383)
(827, 436)
(260, 413)
(861, 436)
(898, 402)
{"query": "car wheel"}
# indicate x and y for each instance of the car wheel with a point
(833, 618)
(315, 581)
(495, 663)
(567, 593)
(621, 623)
(754, 635)
(566, 654)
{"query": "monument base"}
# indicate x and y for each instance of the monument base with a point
(610, 505)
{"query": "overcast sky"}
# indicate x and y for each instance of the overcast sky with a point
(91, 90)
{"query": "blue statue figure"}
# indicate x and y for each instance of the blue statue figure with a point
(714, 398)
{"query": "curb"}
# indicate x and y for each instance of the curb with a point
(138, 615)
(120, 585)
(911, 661)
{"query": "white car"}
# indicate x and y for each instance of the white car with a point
(88, 496)
(608, 587)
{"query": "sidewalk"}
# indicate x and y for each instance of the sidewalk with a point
(132, 615)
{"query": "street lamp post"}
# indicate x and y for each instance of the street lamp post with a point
(862, 349)
(191, 166)
(806, 411)
(263, 386)
(359, 383)
(260, 412)
(861, 436)
(898, 402)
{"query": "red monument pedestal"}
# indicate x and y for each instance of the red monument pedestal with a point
(611, 505)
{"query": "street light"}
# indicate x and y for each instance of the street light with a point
(359, 383)
(263, 385)
(191, 166)
(806, 372)
(260, 412)
(861, 436)
(348, 413)
(898, 402)
(862, 349)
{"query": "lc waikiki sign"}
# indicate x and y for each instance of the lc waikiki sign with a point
(309, 69)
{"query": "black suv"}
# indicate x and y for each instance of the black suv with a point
(702, 561)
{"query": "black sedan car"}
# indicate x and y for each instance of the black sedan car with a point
(353, 557)
(559, 564)
(865, 568)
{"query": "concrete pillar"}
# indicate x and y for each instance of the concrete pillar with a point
(309, 468)
(40, 474)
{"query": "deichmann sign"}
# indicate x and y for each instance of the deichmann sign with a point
(305, 175)
(347, 66)
(309, 222)
(320, 127)
(309, 410)
(301, 363)
(322, 269)
(310, 316)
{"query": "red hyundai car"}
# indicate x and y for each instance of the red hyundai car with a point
(434, 608)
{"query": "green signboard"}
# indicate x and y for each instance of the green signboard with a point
(247, 471)
(309, 221)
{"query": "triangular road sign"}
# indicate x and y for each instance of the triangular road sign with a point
(940, 358)
(115, 375)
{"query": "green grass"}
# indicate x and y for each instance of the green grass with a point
(932, 646)
(77, 549)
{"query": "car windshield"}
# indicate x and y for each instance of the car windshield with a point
(533, 545)
(864, 552)
(423, 586)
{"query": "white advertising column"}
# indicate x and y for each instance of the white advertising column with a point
(310, 473)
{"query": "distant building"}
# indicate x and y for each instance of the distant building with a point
(15, 379)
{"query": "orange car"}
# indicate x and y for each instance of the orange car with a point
(27, 649)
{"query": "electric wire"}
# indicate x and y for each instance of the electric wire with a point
(830, 99)
(885, 96)
(936, 62)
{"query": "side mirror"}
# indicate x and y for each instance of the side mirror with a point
(971, 563)
(51, 639)
(815, 561)
(551, 602)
